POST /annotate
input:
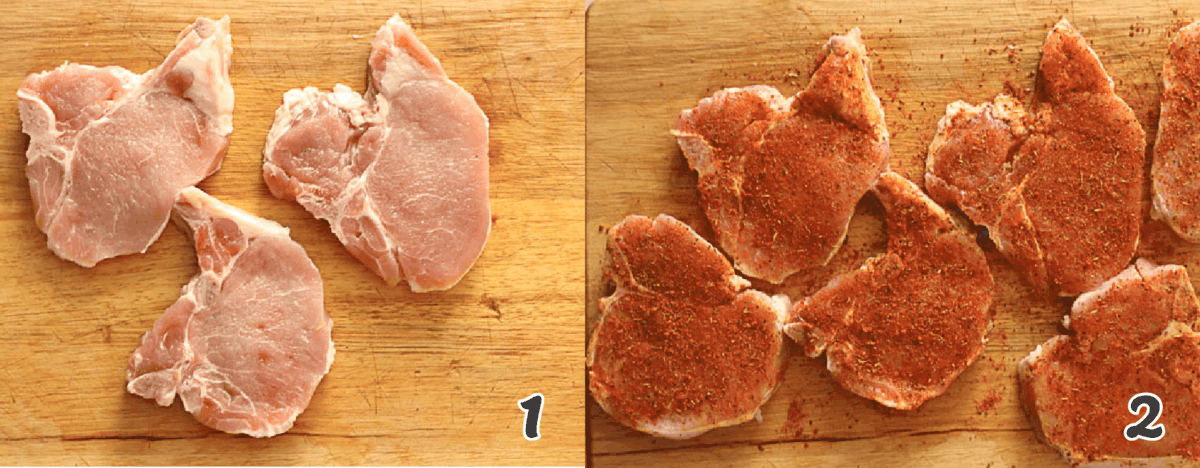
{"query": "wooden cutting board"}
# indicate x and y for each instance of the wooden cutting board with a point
(419, 378)
(648, 60)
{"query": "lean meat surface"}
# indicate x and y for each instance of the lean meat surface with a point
(400, 174)
(109, 150)
(248, 341)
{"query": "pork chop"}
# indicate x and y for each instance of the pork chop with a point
(400, 175)
(1059, 189)
(683, 345)
(109, 150)
(1133, 334)
(900, 329)
(247, 343)
(779, 178)
(1175, 173)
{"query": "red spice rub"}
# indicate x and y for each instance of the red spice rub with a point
(988, 402)
(1133, 334)
(1058, 188)
(683, 345)
(904, 326)
(779, 177)
(796, 417)
(1177, 148)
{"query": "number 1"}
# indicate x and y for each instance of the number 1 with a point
(532, 406)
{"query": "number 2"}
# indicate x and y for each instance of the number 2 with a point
(532, 406)
(1146, 428)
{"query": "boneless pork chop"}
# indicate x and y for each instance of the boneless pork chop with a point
(401, 174)
(109, 150)
(1059, 188)
(900, 329)
(1136, 333)
(683, 345)
(1176, 167)
(247, 343)
(779, 178)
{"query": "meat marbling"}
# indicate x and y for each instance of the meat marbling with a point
(248, 341)
(109, 150)
(401, 174)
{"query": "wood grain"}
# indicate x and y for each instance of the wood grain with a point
(648, 60)
(419, 378)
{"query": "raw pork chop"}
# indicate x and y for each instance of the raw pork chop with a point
(779, 177)
(1176, 170)
(248, 341)
(900, 329)
(683, 345)
(401, 176)
(1059, 189)
(1133, 334)
(109, 150)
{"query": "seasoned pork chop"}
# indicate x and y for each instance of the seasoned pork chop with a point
(247, 343)
(1059, 189)
(1176, 170)
(779, 178)
(109, 150)
(683, 345)
(401, 175)
(1133, 334)
(900, 329)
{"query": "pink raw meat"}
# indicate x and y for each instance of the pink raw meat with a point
(109, 150)
(401, 175)
(248, 342)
